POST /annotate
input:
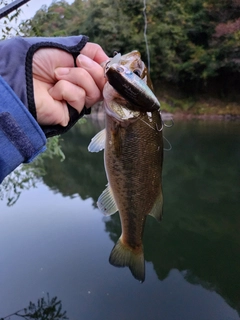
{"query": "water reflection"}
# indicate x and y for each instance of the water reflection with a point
(46, 308)
(81, 172)
(200, 230)
(199, 235)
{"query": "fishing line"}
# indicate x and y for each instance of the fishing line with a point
(169, 144)
(11, 7)
(166, 125)
(145, 33)
(149, 62)
(147, 123)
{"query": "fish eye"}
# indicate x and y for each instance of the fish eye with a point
(137, 72)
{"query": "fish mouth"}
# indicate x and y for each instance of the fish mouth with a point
(120, 113)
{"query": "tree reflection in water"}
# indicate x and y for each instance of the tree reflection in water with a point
(49, 309)
(26, 176)
(80, 173)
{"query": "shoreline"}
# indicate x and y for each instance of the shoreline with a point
(99, 114)
(189, 116)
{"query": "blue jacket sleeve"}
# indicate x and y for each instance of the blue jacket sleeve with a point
(16, 55)
(21, 138)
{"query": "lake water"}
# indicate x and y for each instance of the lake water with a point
(55, 241)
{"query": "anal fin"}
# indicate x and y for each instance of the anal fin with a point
(157, 210)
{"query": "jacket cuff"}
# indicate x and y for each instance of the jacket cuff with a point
(16, 69)
(21, 138)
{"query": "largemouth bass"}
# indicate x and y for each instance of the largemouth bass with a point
(133, 156)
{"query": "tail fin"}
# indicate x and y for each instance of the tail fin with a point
(124, 256)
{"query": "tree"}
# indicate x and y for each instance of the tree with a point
(49, 309)
(192, 43)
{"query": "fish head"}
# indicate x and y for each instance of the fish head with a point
(133, 61)
(128, 77)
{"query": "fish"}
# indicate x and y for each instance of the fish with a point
(133, 156)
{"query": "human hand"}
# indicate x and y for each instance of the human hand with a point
(57, 82)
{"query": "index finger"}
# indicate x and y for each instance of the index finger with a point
(95, 52)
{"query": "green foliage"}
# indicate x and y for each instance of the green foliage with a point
(191, 42)
(58, 15)
(7, 29)
(17, 181)
(26, 176)
(49, 309)
(53, 150)
(185, 37)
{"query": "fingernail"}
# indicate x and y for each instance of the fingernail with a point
(84, 61)
(61, 71)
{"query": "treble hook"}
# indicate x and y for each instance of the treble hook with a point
(169, 125)
(159, 130)
(166, 125)
(169, 144)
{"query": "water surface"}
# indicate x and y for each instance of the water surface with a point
(55, 240)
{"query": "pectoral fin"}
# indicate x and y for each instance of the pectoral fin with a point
(98, 142)
(106, 202)
(157, 210)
